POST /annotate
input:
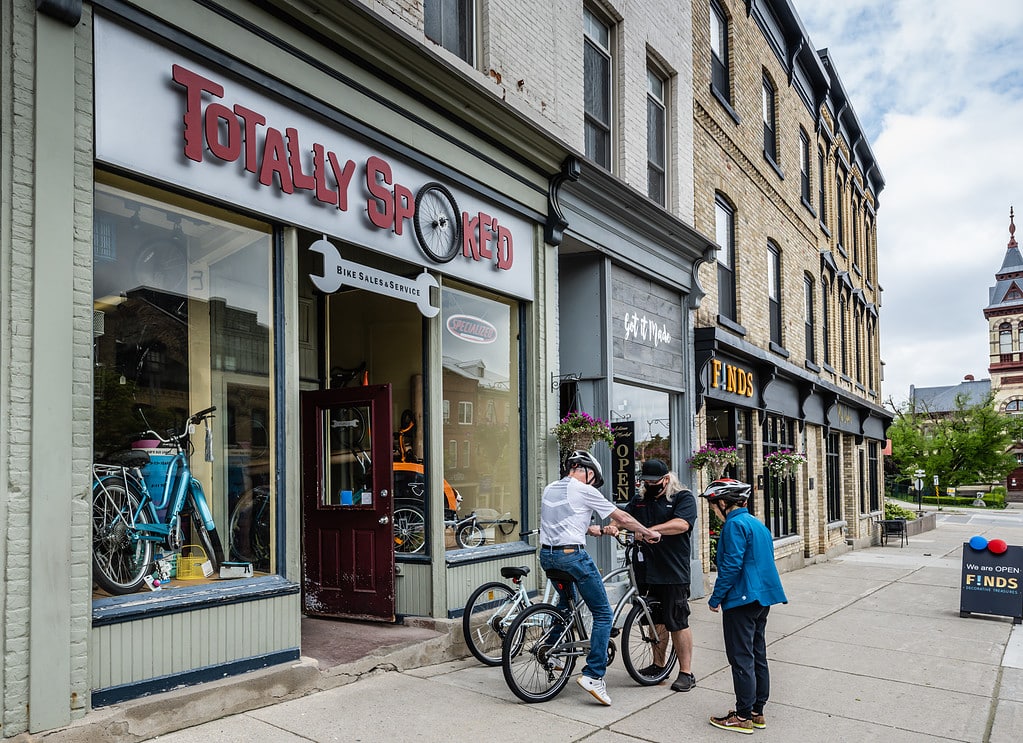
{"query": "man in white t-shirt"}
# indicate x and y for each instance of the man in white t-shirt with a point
(566, 510)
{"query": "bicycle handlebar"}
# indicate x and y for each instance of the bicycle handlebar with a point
(176, 438)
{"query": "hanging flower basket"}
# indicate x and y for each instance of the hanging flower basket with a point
(714, 460)
(579, 430)
(784, 463)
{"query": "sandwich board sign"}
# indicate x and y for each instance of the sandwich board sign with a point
(992, 579)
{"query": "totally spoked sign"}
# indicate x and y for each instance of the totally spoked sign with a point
(992, 581)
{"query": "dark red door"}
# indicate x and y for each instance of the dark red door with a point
(347, 538)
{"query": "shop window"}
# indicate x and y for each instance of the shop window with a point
(650, 411)
(873, 489)
(719, 77)
(833, 477)
(184, 322)
(483, 371)
(452, 24)
(656, 136)
(724, 233)
(597, 75)
(780, 512)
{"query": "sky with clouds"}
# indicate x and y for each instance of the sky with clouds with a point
(938, 87)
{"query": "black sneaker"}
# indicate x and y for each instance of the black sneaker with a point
(684, 682)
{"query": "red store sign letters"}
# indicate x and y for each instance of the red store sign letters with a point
(232, 133)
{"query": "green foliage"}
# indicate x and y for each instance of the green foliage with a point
(968, 445)
(895, 511)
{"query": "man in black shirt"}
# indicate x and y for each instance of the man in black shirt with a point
(665, 506)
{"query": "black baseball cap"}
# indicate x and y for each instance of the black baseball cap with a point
(653, 470)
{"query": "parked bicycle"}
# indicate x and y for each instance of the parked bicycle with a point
(126, 528)
(249, 528)
(492, 607)
(542, 644)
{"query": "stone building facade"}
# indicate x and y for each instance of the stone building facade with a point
(788, 184)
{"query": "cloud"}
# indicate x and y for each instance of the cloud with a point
(940, 92)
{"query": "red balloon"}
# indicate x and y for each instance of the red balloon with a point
(997, 546)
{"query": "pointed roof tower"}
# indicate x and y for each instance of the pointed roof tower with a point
(1007, 293)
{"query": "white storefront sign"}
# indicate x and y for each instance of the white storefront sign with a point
(179, 120)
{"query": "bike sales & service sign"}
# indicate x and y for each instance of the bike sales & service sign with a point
(992, 579)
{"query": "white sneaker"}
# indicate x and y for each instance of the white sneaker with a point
(596, 687)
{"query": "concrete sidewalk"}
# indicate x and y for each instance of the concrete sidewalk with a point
(870, 647)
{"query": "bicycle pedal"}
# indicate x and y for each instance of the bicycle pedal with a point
(615, 631)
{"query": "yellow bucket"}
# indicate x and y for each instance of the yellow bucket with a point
(190, 562)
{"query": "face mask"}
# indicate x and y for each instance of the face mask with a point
(653, 489)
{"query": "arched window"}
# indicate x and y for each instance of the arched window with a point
(1005, 341)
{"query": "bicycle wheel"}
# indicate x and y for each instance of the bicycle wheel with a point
(249, 528)
(120, 559)
(639, 643)
(470, 535)
(208, 540)
(488, 612)
(409, 530)
(534, 669)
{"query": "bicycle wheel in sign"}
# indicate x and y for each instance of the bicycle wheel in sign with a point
(488, 612)
(437, 222)
(643, 649)
(120, 560)
(534, 667)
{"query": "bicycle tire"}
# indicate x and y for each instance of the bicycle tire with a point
(120, 559)
(488, 612)
(531, 673)
(208, 540)
(249, 528)
(638, 642)
(471, 535)
(437, 222)
(409, 530)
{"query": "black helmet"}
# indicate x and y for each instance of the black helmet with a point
(727, 490)
(582, 458)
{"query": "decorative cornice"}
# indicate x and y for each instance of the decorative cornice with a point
(554, 230)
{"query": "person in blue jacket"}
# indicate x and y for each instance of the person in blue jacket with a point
(746, 587)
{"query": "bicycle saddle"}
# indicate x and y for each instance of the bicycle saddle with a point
(514, 572)
(560, 576)
(128, 458)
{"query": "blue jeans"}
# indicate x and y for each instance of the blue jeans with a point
(746, 649)
(588, 583)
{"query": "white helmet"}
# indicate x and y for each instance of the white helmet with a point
(582, 458)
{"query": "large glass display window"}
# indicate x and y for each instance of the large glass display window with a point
(183, 423)
(482, 423)
(650, 411)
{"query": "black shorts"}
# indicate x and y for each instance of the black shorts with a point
(672, 609)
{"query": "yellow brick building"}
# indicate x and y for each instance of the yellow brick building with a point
(786, 338)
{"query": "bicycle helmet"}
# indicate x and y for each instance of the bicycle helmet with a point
(728, 490)
(581, 458)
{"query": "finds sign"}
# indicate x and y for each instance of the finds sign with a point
(725, 376)
(992, 579)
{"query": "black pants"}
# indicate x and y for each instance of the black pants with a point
(746, 650)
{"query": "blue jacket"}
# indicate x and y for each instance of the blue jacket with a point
(746, 569)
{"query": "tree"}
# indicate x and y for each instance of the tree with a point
(969, 444)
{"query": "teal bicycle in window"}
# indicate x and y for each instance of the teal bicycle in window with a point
(138, 508)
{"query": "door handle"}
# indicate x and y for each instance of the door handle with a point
(384, 520)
